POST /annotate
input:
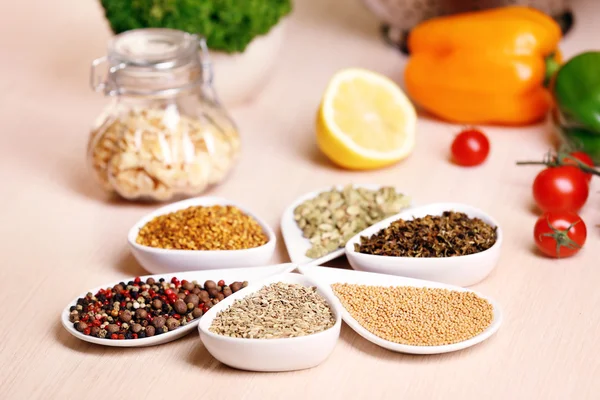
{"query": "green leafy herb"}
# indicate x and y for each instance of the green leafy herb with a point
(228, 25)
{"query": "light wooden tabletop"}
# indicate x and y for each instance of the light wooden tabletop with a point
(59, 236)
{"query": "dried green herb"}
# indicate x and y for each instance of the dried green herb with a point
(449, 235)
(333, 217)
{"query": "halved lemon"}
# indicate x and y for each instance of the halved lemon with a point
(365, 121)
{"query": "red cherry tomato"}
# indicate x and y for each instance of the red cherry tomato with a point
(561, 189)
(582, 157)
(559, 234)
(470, 147)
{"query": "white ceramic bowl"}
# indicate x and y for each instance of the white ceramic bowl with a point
(324, 277)
(269, 355)
(160, 261)
(296, 244)
(229, 275)
(461, 270)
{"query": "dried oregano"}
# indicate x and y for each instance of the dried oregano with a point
(451, 234)
(333, 217)
(279, 310)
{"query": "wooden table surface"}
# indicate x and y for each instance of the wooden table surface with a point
(60, 236)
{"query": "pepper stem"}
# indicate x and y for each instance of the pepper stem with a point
(552, 66)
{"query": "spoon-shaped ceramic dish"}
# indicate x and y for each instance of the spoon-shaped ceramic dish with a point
(296, 244)
(324, 277)
(270, 355)
(161, 261)
(251, 275)
(461, 270)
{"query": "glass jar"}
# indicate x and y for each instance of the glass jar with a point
(164, 134)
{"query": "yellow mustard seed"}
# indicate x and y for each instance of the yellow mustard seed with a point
(203, 228)
(416, 316)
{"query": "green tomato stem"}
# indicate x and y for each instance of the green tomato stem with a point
(560, 160)
(562, 238)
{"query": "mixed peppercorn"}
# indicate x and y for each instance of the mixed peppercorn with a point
(142, 309)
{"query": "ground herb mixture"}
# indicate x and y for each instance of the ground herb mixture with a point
(416, 316)
(333, 217)
(279, 310)
(142, 309)
(449, 235)
(203, 228)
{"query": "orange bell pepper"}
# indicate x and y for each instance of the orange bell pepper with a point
(484, 67)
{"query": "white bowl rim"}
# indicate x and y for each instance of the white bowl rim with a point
(459, 207)
(261, 342)
(198, 201)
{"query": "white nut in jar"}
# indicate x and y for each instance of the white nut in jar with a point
(157, 154)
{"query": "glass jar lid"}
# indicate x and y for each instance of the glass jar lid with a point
(150, 51)
(154, 48)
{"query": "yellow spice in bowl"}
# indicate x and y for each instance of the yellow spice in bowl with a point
(203, 228)
(416, 316)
